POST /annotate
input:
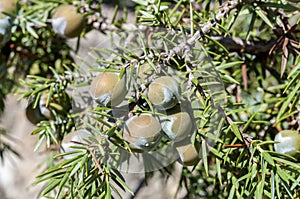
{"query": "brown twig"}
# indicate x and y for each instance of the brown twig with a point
(96, 161)
(240, 45)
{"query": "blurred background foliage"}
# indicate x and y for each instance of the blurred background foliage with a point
(252, 44)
